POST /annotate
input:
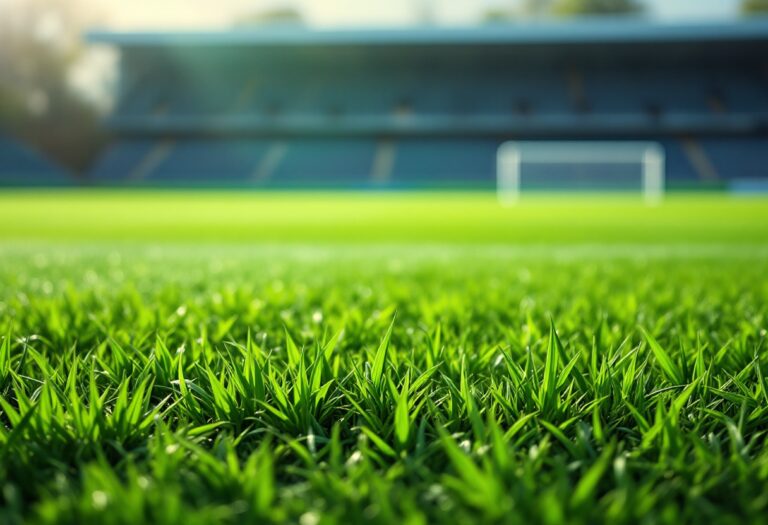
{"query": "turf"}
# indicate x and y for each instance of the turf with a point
(242, 217)
(448, 375)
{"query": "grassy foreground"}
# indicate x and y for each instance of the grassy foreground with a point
(233, 382)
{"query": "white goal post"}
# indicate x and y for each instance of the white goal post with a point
(514, 156)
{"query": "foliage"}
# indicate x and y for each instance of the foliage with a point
(282, 15)
(754, 6)
(539, 8)
(597, 7)
(40, 42)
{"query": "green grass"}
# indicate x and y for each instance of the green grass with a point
(446, 370)
(236, 217)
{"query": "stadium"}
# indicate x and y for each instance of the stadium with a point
(497, 273)
(419, 108)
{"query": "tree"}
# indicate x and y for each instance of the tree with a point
(543, 8)
(752, 7)
(597, 7)
(536, 7)
(497, 16)
(40, 42)
(281, 16)
(514, 11)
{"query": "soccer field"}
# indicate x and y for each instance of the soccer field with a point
(388, 358)
(448, 218)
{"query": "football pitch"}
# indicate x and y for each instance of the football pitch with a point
(198, 357)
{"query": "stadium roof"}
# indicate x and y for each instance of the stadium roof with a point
(586, 31)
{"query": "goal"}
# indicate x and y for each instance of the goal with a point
(591, 166)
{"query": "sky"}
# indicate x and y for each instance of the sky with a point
(200, 14)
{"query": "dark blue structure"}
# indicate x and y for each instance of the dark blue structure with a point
(21, 166)
(428, 107)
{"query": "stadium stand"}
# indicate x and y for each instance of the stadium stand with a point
(21, 166)
(293, 107)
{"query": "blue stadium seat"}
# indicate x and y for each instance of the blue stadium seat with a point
(120, 160)
(344, 162)
(738, 158)
(210, 162)
(643, 91)
(743, 92)
(21, 166)
(678, 165)
(450, 162)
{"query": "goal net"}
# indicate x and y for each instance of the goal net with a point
(585, 166)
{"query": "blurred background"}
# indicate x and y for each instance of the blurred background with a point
(404, 93)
